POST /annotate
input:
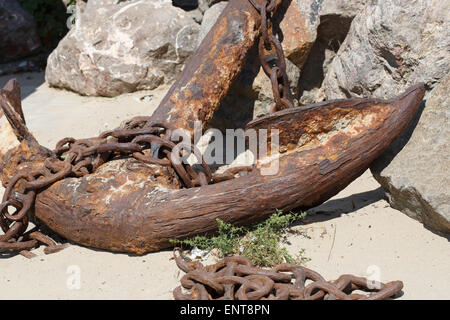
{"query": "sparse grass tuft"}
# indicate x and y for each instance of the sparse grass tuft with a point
(261, 242)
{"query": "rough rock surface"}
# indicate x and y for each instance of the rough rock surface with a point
(209, 19)
(391, 45)
(342, 8)
(335, 20)
(417, 179)
(118, 47)
(298, 23)
(18, 35)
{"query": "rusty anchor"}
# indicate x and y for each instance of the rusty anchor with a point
(114, 192)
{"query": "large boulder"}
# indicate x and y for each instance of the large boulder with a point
(18, 35)
(417, 179)
(204, 5)
(209, 19)
(117, 47)
(391, 45)
(335, 20)
(341, 8)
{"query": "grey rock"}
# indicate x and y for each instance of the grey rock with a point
(263, 88)
(18, 34)
(417, 179)
(335, 19)
(204, 5)
(209, 19)
(342, 8)
(391, 45)
(117, 47)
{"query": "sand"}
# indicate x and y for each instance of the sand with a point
(354, 232)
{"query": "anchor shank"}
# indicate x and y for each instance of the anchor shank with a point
(210, 72)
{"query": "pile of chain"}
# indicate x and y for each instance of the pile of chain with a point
(272, 57)
(150, 143)
(235, 278)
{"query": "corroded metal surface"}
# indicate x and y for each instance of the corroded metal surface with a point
(137, 203)
(235, 278)
(210, 72)
(330, 144)
(18, 145)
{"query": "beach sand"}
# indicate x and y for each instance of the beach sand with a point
(355, 232)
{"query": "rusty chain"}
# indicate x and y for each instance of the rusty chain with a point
(236, 278)
(150, 143)
(272, 57)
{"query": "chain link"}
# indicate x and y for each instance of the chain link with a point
(236, 278)
(272, 57)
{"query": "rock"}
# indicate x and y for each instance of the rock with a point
(417, 179)
(18, 35)
(299, 29)
(204, 5)
(197, 15)
(335, 20)
(391, 45)
(263, 88)
(209, 19)
(119, 47)
(342, 8)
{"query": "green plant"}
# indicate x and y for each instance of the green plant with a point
(261, 242)
(50, 16)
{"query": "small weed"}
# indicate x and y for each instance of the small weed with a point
(261, 242)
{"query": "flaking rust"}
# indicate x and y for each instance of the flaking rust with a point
(210, 72)
(126, 204)
(124, 210)
(236, 278)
